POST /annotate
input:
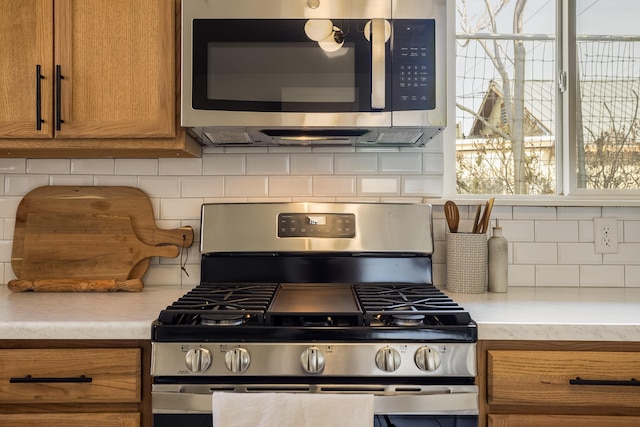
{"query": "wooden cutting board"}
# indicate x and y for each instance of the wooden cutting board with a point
(97, 200)
(83, 246)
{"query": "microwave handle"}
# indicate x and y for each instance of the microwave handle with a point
(377, 64)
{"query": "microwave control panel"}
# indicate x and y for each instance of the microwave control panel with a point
(414, 64)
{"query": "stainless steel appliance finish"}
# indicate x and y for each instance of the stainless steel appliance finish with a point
(317, 298)
(384, 85)
(375, 227)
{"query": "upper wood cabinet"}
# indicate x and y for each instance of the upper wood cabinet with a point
(98, 77)
(26, 37)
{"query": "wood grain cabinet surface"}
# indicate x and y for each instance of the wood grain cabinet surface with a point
(527, 383)
(75, 383)
(90, 79)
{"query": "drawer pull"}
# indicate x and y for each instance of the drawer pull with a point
(30, 379)
(580, 381)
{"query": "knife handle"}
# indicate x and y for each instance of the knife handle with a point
(76, 285)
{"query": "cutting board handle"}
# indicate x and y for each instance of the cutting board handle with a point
(75, 285)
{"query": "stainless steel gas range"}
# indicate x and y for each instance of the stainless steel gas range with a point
(317, 298)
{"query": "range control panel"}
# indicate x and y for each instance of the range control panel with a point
(316, 225)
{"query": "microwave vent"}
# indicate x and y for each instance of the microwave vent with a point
(228, 138)
(396, 137)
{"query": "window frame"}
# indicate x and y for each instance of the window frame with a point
(567, 191)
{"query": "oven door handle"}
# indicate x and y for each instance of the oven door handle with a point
(436, 400)
(378, 73)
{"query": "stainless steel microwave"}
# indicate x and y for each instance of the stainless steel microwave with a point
(314, 72)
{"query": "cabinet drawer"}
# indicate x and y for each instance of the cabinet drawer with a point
(604, 379)
(71, 420)
(70, 375)
(513, 420)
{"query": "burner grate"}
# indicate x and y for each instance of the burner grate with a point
(221, 303)
(393, 304)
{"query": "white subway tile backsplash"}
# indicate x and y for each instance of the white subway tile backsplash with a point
(433, 163)
(202, 186)
(160, 186)
(13, 165)
(602, 275)
(92, 166)
(521, 275)
(290, 186)
(535, 253)
(578, 253)
(48, 166)
(425, 185)
(620, 212)
(136, 166)
(9, 206)
(631, 232)
(585, 231)
(6, 246)
(179, 209)
(73, 179)
(558, 275)
(628, 253)
(359, 163)
(534, 212)
(548, 246)
(224, 164)
(556, 231)
(311, 164)
(8, 228)
(380, 185)
(334, 186)
(246, 186)
(268, 164)
(180, 167)
(400, 163)
(632, 276)
(518, 230)
(122, 180)
(19, 185)
(578, 213)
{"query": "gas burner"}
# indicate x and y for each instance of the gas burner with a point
(407, 319)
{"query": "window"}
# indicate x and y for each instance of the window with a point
(530, 120)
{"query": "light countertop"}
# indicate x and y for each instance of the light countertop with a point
(580, 314)
(591, 314)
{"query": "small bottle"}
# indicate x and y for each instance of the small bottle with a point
(498, 261)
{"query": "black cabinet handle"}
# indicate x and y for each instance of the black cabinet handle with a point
(580, 381)
(59, 78)
(39, 77)
(30, 379)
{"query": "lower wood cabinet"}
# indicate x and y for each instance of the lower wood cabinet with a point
(75, 383)
(531, 383)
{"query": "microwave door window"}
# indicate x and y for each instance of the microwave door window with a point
(275, 66)
(280, 73)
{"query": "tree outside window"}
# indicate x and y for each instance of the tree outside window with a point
(508, 83)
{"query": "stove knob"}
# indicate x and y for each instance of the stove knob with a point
(388, 359)
(312, 360)
(237, 360)
(198, 359)
(427, 358)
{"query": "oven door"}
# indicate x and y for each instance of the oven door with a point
(189, 405)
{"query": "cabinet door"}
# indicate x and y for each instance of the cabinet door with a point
(26, 41)
(71, 420)
(513, 420)
(117, 62)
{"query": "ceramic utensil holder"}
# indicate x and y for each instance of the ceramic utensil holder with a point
(466, 262)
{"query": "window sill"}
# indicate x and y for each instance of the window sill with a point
(578, 200)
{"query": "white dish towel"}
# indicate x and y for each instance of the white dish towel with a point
(292, 410)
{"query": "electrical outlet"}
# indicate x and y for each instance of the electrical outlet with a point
(605, 235)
